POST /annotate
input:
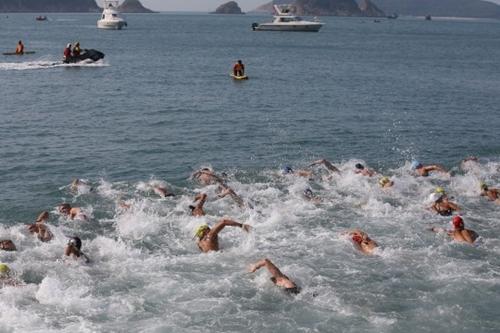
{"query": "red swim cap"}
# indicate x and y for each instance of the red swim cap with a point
(458, 222)
(357, 238)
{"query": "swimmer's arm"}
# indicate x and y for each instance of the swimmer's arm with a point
(435, 167)
(226, 222)
(437, 229)
(327, 164)
(275, 272)
(454, 206)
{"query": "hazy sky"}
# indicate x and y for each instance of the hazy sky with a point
(206, 5)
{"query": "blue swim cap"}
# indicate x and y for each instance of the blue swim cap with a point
(415, 165)
(287, 169)
(308, 192)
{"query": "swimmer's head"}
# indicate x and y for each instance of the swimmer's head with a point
(359, 166)
(440, 190)
(64, 208)
(75, 242)
(287, 170)
(239, 61)
(483, 186)
(42, 217)
(357, 238)
(7, 245)
(458, 222)
(384, 181)
(308, 193)
(201, 230)
(4, 270)
(416, 165)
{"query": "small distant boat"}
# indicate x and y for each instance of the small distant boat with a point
(285, 21)
(111, 18)
(41, 18)
(393, 16)
(428, 18)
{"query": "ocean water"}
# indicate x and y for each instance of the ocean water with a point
(161, 105)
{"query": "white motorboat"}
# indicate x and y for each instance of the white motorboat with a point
(111, 18)
(284, 20)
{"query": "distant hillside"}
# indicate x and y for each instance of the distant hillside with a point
(328, 7)
(133, 6)
(48, 6)
(230, 7)
(450, 8)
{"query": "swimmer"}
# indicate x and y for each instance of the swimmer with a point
(310, 196)
(287, 170)
(328, 165)
(205, 176)
(208, 239)
(385, 182)
(226, 190)
(40, 228)
(72, 212)
(7, 245)
(79, 185)
(362, 170)
(493, 194)
(442, 205)
(162, 191)
(7, 278)
(459, 233)
(424, 171)
(198, 209)
(362, 242)
(73, 249)
(278, 278)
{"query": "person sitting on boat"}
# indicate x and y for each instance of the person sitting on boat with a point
(20, 47)
(67, 52)
(239, 69)
(77, 50)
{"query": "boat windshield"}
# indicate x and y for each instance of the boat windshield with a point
(290, 19)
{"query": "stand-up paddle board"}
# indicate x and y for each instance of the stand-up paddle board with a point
(18, 54)
(236, 77)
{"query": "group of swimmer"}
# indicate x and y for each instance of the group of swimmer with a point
(208, 237)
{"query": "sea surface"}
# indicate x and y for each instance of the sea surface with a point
(161, 105)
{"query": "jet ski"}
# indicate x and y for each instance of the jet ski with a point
(92, 55)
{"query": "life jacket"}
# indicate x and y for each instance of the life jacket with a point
(67, 52)
(76, 51)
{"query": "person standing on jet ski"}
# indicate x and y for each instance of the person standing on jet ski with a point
(77, 50)
(67, 52)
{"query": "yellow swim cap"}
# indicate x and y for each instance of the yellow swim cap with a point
(440, 190)
(4, 269)
(199, 231)
(383, 181)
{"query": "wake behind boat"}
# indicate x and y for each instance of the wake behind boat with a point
(284, 20)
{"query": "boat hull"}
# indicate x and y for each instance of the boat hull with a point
(111, 25)
(312, 27)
